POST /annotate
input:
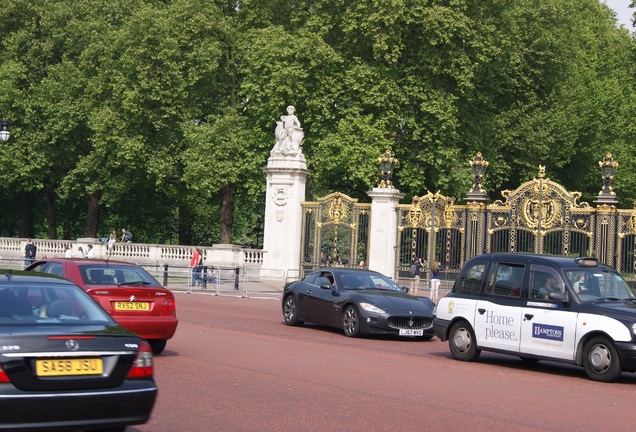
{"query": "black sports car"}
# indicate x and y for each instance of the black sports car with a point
(65, 364)
(359, 302)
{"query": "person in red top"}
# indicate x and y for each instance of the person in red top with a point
(195, 266)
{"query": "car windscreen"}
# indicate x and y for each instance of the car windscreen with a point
(117, 275)
(361, 280)
(43, 303)
(598, 284)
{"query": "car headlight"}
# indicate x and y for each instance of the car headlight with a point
(370, 308)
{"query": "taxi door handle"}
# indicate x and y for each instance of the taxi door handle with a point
(481, 311)
(308, 291)
(528, 316)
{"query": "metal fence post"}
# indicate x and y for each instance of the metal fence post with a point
(236, 278)
(165, 275)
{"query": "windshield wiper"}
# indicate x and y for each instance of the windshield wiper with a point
(609, 299)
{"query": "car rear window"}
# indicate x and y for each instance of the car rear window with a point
(43, 303)
(117, 275)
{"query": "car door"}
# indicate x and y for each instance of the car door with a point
(320, 303)
(548, 328)
(499, 310)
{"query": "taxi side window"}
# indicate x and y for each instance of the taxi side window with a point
(472, 279)
(506, 280)
(543, 281)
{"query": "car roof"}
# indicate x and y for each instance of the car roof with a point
(22, 276)
(81, 261)
(559, 260)
(343, 269)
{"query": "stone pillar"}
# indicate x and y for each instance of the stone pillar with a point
(286, 181)
(383, 231)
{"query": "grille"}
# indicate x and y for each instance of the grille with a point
(408, 322)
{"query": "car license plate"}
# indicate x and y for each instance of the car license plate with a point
(132, 306)
(411, 332)
(66, 367)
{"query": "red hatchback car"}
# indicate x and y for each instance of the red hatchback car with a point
(135, 299)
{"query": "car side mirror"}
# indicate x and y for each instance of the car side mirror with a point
(405, 289)
(560, 297)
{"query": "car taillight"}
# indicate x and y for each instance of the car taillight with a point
(3, 376)
(169, 306)
(143, 365)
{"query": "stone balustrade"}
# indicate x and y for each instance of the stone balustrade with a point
(145, 254)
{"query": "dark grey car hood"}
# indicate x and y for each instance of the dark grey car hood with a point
(395, 301)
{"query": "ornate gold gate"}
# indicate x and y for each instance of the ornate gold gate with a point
(431, 228)
(335, 232)
(540, 217)
(626, 243)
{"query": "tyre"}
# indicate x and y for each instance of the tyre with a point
(290, 312)
(462, 342)
(158, 345)
(601, 360)
(351, 321)
(112, 429)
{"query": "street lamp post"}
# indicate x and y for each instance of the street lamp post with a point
(4, 131)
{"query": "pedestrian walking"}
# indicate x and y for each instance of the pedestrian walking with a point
(436, 268)
(415, 271)
(195, 266)
(29, 252)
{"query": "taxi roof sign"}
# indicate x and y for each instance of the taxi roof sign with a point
(586, 262)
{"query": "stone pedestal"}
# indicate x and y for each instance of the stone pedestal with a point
(286, 181)
(383, 231)
(477, 196)
(606, 198)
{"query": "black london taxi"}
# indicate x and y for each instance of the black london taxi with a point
(558, 308)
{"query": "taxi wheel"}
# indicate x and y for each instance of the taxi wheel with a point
(290, 312)
(351, 322)
(462, 342)
(601, 360)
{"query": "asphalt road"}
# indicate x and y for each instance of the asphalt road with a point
(235, 366)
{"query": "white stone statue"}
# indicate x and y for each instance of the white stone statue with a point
(289, 134)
